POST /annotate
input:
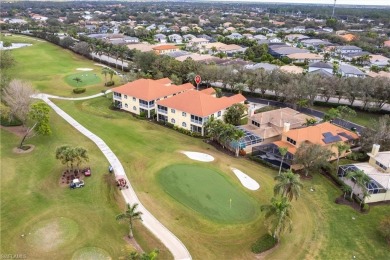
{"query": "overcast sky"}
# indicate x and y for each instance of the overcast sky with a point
(348, 2)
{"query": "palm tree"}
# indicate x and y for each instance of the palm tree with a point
(278, 216)
(236, 137)
(346, 189)
(289, 185)
(283, 151)
(341, 148)
(130, 215)
(359, 178)
(111, 73)
(105, 71)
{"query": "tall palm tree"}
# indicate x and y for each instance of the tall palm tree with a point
(341, 148)
(236, 137)
(278, 216)
(289, 185)
(359, 178)
(130, 215)
(283, 151)
(105, 71)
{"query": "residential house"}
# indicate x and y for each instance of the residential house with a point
(191, 109)
(247, 35)
(305, 57)
(188, 37)
(207, 37)
(275, 40)
(269, 125)
(197, 43)
(184, 29)
(284, 50)
(260, 37)
(235, 36)
(317, 44)
(231, 49)
(151, 27)
(350, 71)
(379, 60)
(163, 49)
(176, 38)
(347, 49)
(378, 171)
(292, 69)
(299, 29)
(386, 43)
(327, 29)
(160, 38)
(324, 134)
(140, 96)
(328, 67)
(129, 39)
(354, 55)
(296, 37)
(265, 66)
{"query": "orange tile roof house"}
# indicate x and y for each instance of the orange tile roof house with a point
(162, 49)
(191, 109)
(324, 134)
(140, 96)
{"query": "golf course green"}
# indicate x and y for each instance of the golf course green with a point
(207, 192)
(83, 79)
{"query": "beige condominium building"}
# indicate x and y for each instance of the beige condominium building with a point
(191, 109)
(140, 96)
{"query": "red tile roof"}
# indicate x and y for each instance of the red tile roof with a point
(165, 47)
(208, 91)
(149, 89)
(200, 104)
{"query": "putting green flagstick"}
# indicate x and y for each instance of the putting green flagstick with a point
(230, 203)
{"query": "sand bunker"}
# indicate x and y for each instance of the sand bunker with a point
(198, 156)
(245, 180)
(84, 69)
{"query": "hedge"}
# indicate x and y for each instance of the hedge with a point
(109, 83)
(79, 90)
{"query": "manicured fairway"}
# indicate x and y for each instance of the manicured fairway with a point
(46, 66)
(208, 192)
(86, 79)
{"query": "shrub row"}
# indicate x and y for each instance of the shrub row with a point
(9, 122)
(186, 132)
(109, 83)
(261, 161)
(264, 243)
(79, 90)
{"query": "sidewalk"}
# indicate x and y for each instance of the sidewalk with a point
(174, 245)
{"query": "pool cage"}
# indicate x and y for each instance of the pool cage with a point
(372, 186)
(270, 153)
(248, 140)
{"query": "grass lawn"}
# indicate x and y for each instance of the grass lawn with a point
(363, 118)
(86, 79)
(46, 66)
(207, 192)
(322, 229)
(56, 221)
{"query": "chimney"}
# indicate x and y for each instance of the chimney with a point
(286, 127)
(251, 112)
(375, 149)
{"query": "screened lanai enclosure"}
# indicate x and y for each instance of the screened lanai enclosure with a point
(373, 186)
(270, 153)
(248, 139)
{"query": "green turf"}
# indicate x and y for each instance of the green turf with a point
(46, 65)
(87, 79)
(91, 253)
(207, 192)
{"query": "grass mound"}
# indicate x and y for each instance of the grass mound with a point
(50, 234)
(91, 253)
(264, 243)
(82, 79)
(207, 192)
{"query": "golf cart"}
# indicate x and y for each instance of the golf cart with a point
(76, 183)
(121, 182)
(87, 172)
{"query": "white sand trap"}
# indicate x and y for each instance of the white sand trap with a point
(84, 69)
(198, 156)
(245, 180)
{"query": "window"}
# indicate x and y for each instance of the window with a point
(255, 123)
(173, 110)
(126, 106)
(219, 113)
(381, 165)
(134, 108)
(184, 114)
(125, 96)
(173, 121)
(184, 124)
(291, 141)
(134, 99)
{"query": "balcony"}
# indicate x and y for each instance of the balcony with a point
(196, 122)
(162, 111)
(146, 106)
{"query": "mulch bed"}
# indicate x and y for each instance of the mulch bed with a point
(219, 147)
(26, 149)
(134, 243)
(352, 204)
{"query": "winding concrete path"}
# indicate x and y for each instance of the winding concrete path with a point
(177, 248)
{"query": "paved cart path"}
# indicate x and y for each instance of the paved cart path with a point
(177, 248)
